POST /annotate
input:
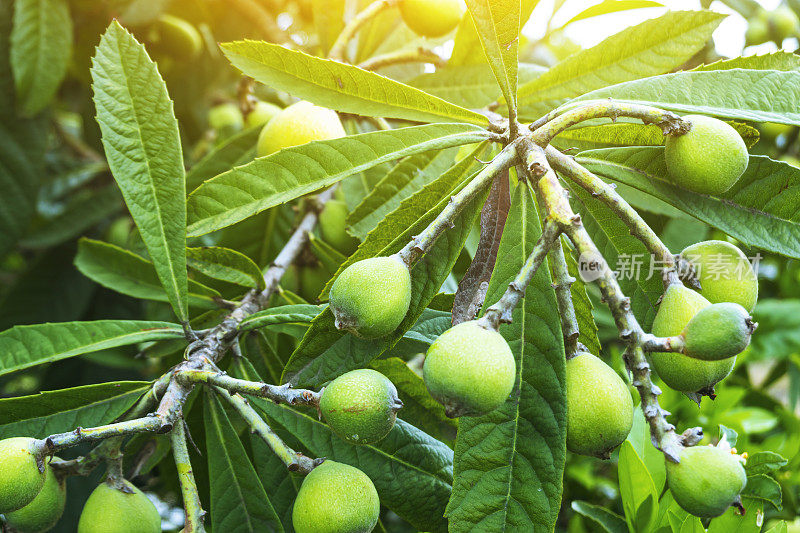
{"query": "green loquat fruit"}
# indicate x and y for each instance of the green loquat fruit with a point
(708, 159)
(724, 272)
(300, 123)
(20, 478)
(336, 498)
(470, 370)
(333, 225)
(707, 480)
(360, 406)
(113, 510)
(261, 113)
(432, 18)
(46, 508)
(718, 331)
(371, 297)
(599, 407)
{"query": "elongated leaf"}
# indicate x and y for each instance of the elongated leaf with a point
(780, 60)
(652, 47)
(509, 463)
(406, 178)
(49, 412)
(608, 520)
(611, 6)
(233, 151)
(325, 352)
(238, 500)
(143, 148)
(470, 86)
(498, 25)
(26, 346)
(467, 49)
(762, 209)
(638, 492)
(226, 265)
(127, 273)
(739, 94)
(282, 314)
(41, 45)
(419, 407)
(293, 172)
(341, 87)
(411, 470)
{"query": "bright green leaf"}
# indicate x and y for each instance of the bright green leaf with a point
(226, 265)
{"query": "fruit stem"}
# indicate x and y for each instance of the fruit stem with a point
(418, 55)
(339, 47)
(501, 312)
(606, 194)
(191, 498)
(562, 283)
(277, 393)
(294, 461)
(422, 243)
(558, 210)
(548, 127)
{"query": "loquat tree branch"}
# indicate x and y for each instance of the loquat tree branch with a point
(422, 243)
(339, 48)
(277, 393)
(294, 461)
(191, 498)
(562, 283)
(662, 432)
(417, 55)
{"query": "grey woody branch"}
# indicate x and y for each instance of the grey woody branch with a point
(277, 393)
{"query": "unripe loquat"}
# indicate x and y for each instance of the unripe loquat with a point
(261, 113)
(718, 331)
(724, 272)
(707, 480)
(20, 478)
(371, 297)
(469, 369)
(114, 510)
(432, 18)
(360, 406)
(300, 123)
(46, 508)
(333, 225)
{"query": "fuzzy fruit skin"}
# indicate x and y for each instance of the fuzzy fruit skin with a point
(332, 223)
(300, 123)
(360, 406)
(20, 479)
(717, 332)
(336, 498)
(110, 510)
(45, 509)
(599, 407)
(709, 158)
(470, 370)
(432, 18)
(370, 298)
(706, 481)
(678, 371)
(261, 113)
(724, 272)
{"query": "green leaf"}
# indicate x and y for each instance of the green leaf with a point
(407, 177)
(340, 86)
(611, 6)
(233, 151)
(636, 488)
(325, 352)
(471, 86)
(780, 527)
(728, 435)
(509, 464)
(283, 314)
(85, 209)
(127, 273)
(498, 25)
(143, 148)
(419, 407)
(652, 47)
(762, 209)
(41, 45)
(226, 265)
(739, 94)
(26, 346)
(238, 500)
(243, 191)
(412, 471)
(328, 21)
(49, 412)
(608, 520)
(764, 488)
(468, 47)
(779, 60)
(764, 462)
(652, 458)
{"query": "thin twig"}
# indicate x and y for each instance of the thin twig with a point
(277, 393)
(417, 55)
(339, 47)
(191, 498)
